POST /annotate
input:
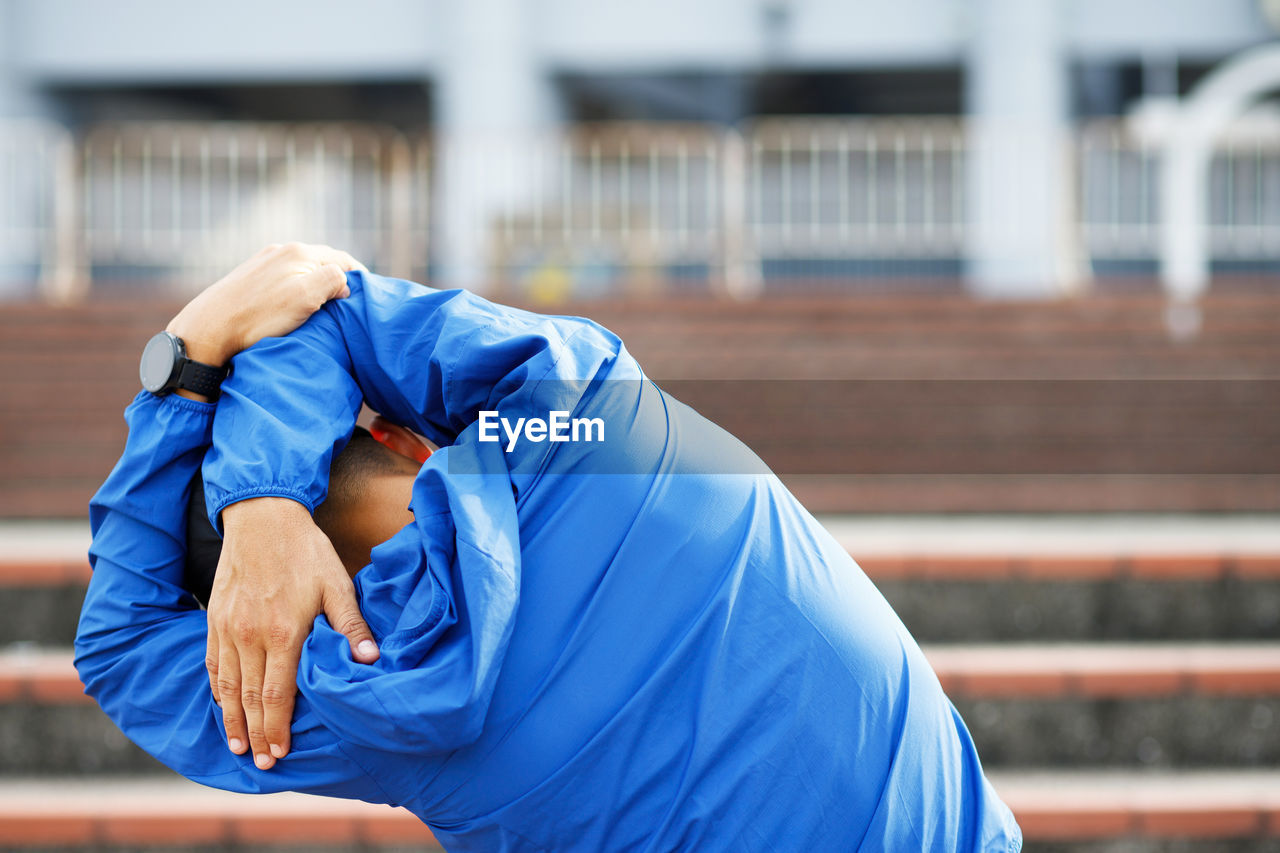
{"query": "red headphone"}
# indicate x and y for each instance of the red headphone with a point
(400, 442)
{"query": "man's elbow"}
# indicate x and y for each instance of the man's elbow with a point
(92, 661)
(100, 647)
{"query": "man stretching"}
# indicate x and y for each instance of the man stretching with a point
(642, 642)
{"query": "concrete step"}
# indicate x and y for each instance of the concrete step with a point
(1114, 811)
(966, 579)
(1117, 705)
(949, 600)
(172, 813)
(947, 605)
(1202, 811)
(1108, 704)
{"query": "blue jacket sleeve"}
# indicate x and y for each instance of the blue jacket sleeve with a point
(428, 359)
(441, 597)
(141, 640)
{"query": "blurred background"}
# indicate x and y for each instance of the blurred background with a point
(993, 285)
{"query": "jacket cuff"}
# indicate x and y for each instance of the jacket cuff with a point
(225, 500)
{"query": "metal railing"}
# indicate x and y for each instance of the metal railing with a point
(602, 207)
(591, 210)
(37, 219)
(182, 201)
(857, 188)
(1119, 193)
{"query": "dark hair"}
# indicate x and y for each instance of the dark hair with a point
(350, 470)
(362, 458)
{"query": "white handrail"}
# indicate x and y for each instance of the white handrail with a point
(1220, 97)
(589, 209)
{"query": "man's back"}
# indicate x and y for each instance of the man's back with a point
(696, 664)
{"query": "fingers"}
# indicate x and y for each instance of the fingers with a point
(347, 262)
(211, 662)
(278, 691)
(320, 254)
(326, 282)
(343, 613)
(252, 675)
(330, 255)
(228, 690)
(273, 580)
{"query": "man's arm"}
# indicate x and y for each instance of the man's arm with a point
(427, 359)
(424, 358)
(141, 639)
(270, 294)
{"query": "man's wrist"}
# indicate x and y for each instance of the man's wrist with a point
(251, 511)
(200, 346)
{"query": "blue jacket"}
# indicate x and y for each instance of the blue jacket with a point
(640, 643)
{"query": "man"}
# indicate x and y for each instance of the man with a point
(641, 642)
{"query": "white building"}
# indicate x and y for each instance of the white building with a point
(1024, 70)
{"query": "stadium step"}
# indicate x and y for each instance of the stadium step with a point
(1065, 578)
(1067, 705)
(60, 412)
(1051, 671)
(110, 814)
(1083, 598)
(1158, 732)
(1109, 812)
(940, 598)
(1128, 810)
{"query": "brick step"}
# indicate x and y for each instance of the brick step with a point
(961, 459)
(1145, 811)
(1000, 493)
(1026, 670)
(1136, 311)
(896, 455)
(1201, 810)
(170, 812)
(39, 497)
(1116, 705)
(51, 336)
(942, 599)
(744, 357)
(672, 334)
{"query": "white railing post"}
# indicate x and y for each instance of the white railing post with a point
(1184, 254)
(742, 279)
(399, 221)
(63, 277)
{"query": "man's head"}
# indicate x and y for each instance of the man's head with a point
(370, 485)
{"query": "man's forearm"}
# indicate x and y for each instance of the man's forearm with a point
(140, 645)
(429, 360)
(136, 607)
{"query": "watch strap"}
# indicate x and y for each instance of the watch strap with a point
(203, 379)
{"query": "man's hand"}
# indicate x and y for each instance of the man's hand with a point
(271, 294)
(277, 572)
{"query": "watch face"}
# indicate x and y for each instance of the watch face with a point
(158, 360)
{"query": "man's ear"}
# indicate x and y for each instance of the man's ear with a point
(397, 438)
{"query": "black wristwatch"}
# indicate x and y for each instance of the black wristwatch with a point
(165, 368)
